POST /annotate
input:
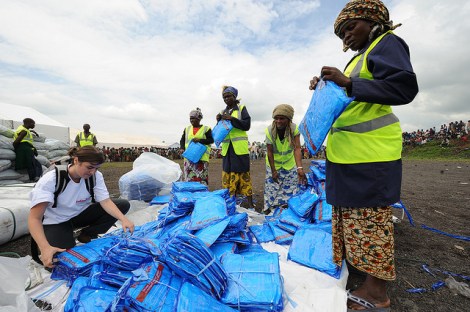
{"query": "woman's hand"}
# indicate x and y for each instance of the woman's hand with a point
(275, 175)
(302, 176)
(218, 117)
(127, 225)
(334, 74)
(47, 255)
(313, 83)
(227, 117)
(195, 140)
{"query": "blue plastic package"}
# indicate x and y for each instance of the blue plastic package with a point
(262, 232)
(327, 103)
(220, 131)
(194, 152)
(207, 210)
(312, 247)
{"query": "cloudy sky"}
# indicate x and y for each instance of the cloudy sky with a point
(135, 69)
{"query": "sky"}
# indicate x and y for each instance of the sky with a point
(135, 69)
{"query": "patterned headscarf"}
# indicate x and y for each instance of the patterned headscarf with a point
(229, 89)
(371, 10)
(196, 113)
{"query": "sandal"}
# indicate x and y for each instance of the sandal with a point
(369, 307)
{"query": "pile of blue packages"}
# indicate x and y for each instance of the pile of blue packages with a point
(192, 299)
(190, 258)
(249, 273)
(188, 187)
(153, 287)
(79, 260)
(207, 210)
(306, 210)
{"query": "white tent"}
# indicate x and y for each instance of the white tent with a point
(12, 116)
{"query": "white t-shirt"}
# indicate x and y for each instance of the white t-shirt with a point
(71, 202)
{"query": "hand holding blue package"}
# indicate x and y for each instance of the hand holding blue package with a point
(327, 103)
(194, 152)
(221, 130)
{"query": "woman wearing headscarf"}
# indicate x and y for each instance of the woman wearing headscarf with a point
(235, 153)
(364, 168)
(196, 132)
(284, 168)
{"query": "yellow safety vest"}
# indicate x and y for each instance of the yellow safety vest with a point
(238, 137)
(200, 134)
(282, 150)
(84, 141)
(28, 138)
(364, 132)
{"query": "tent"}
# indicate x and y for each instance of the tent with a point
(12, 116)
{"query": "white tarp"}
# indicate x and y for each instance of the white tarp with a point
(12, 116)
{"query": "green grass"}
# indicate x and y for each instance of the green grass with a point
(456, 150)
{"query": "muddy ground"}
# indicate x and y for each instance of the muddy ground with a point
(436, 193)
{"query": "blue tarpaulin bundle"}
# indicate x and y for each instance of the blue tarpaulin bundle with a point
(192, 299)
(327, 103)
(194, 152)
(248, 274)
(207, 210)
(188, 187)
(312, 247)
(211, 233)
(92, 299)
(237, 223)
(220, 131)
(139, 186)
(221, 249)
(318, 169)
(303, 202)
(288, 216)
(154, 287)
(281, 236)
(190, 258)
(262, 232)
(160, 200)
(78, 260)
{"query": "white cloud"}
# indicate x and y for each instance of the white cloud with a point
(136, 68)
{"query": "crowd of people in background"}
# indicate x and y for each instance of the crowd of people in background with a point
(454, 130)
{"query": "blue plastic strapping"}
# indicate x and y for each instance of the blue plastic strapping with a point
(465, 238)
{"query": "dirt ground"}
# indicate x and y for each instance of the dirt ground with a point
(436, 193)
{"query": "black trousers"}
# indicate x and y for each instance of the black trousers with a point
(94, 220)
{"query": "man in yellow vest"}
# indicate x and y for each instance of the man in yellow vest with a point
(363, 169)
(25, 150)
(235, 154)
(198, 133)
(85, 137)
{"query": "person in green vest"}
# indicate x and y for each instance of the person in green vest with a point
(284, 169)
(196, 132)
(85, 137)
(363, 167)
(25, 150)
(235, 153)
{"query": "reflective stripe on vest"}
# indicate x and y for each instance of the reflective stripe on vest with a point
(237, 137)
(283, 152)
(84, 141)
(370, 125)
(364, 132)
(28, 138)
(200, 134)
